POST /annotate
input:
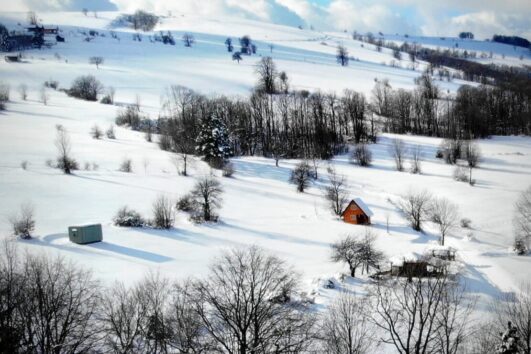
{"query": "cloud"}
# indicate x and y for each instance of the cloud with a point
(437, 18)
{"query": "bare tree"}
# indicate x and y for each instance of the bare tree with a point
(348, 250)
(245, 305)
(44, 95)
(336, 193)
(96, 132)
(342, 55)
(59, 315)
(207, 192)
(361, 155)
(163, 213)
(23, 91)
(398, 150)
(110, 132)
(416, 157)
(301, 176)
(515, 307)
(522, 217)
(23, 223)
(416, 206)
(64, 160)
(345, 327)
(32, 18)
(96, 61)
(369, 255)
(267, 74)
(445, 215)
(406, 310)
(473, 156)
(188, 40)
(237, 56)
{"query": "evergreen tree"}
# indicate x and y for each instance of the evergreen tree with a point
(213, 142)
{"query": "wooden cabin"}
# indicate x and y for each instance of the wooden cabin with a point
(357, 212)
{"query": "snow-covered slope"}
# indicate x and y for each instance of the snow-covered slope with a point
(260, 206)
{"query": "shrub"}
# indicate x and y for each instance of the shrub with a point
(165, 142)
(4, 95)
(187, 203)
(461, 174)
(163, 213)
(110, 132)
(126, 217)
(300, 176)
(106, 99)
(465, 223)
(130, 117)
(361, 155)
(228, 170)
(24, 165)
(96, 132)
(23, 223)
(126, 165)
(85, 87)
(23, 91)
(53, 84)
(520, 247)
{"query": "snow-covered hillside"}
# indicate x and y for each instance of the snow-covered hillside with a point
(259, 205)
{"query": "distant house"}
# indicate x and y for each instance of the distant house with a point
(357, 212)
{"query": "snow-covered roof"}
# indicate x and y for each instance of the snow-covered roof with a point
(363, 207)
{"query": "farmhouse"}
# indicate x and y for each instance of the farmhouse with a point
(357, 212)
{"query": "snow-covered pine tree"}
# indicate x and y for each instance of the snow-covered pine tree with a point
(213, 142)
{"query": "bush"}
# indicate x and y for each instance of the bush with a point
(187, 203)
(461, 174)
(23, 223)
(228, 170)
(520, 247)
(85, 87)
(126, 217)
(130, 117)
(300, 176)
(361, 155)
(110, 132)
(126, 165)
(465, 223)
(165, 142)
(4, 95)
(52, 84)
(24, 165)
(142, 20)
(163, 213)
(96, 132)
(106, 99)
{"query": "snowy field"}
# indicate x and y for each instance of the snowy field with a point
(260, 207)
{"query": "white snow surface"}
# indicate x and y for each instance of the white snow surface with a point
(260, 207)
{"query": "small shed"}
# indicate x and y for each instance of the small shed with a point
(84, 234)
(357, 212)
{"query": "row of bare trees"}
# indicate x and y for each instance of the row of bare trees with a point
(247, 303)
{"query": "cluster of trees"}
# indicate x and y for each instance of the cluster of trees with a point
(466, 35)
(140, 20)
(512, 40)
(475, 112)
(247, 303)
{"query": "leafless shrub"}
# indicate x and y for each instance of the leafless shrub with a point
(24, 165)
(228, 169)
(53, 84)
(64, 160)
(361, 155)
(188, 40)
(416, 160)
(110, 132)
(461, 174)
(163, 213)
(187, 203)
(44, 96)
(85, 87)
(522, 218)
(416, 206)
(472, 154)
(126, 165)
(4, 95)
(465, 223)
(336, 193)
(96, 132)
(23, 91)
(23, 222)
(398, 150)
